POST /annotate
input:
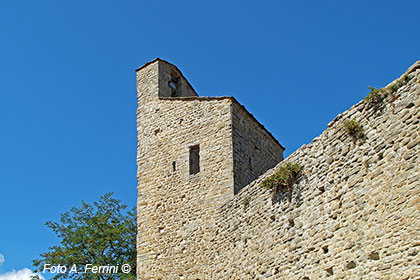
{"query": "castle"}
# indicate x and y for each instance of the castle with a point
(202, 215)
(194, 154)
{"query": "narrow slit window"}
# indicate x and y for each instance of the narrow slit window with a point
(194, 159)
(173, 166)
(250, 163)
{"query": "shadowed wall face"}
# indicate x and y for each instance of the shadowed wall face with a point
(254, 149)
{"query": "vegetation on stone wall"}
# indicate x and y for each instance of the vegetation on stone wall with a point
(284, 177)
(354, 129)
(377, 96)
(398, 83)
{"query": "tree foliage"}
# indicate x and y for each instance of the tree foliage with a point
(101, 234)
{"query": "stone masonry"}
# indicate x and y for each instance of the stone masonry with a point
(353, 214)
(178, 204)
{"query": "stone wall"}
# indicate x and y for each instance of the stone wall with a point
(177, 210)
(255, 149)
(354, 214)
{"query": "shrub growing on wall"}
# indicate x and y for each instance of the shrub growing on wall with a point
(375, 96)
(284, 177)
(353, 129)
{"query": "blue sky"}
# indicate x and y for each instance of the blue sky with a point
(68, 97)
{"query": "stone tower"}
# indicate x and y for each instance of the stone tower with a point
(194, 154)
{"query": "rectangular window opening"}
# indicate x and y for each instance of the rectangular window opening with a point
(173, 166)
(194, 159)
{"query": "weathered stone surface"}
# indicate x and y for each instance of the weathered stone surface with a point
(354, 213)
(177, 208)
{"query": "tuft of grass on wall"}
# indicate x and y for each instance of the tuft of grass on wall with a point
(284, 177)
(354, 129)
(375, 96)
(398, 83)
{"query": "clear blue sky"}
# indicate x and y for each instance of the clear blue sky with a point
(68, 96)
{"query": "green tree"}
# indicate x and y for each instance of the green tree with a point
(102, 234)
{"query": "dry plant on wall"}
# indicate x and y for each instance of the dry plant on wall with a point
(376, 97)
(397, 84)
(283, 178)
(354, 130)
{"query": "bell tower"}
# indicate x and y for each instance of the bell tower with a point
(193, 155)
